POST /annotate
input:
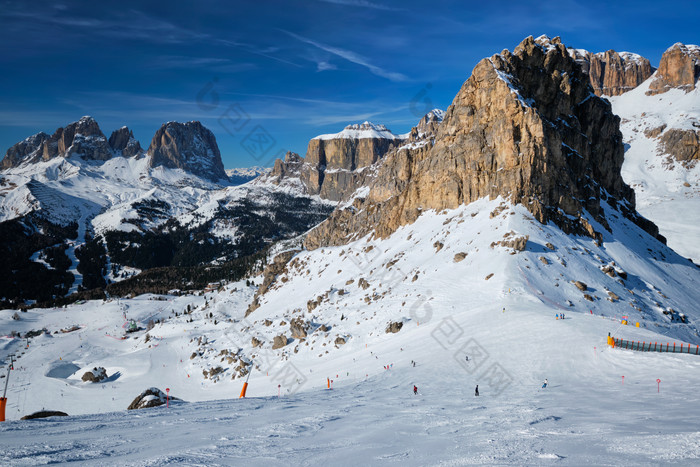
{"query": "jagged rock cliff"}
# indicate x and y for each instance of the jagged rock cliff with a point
(334, 162)
(83, 138)
(525, 126)
(187, 146)
(679, 68)
(28, 150)
(612, 73)
(122, 141)
(337, 165)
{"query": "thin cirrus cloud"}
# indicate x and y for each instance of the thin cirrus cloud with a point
(351, 57)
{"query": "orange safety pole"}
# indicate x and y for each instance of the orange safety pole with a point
(245, 385)
(328, 383)
(3, 403)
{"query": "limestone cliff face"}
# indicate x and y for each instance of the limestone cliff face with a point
(29, 150)
(679, 68)
(681, 145)
(187, 146)
(526, 126)
(612, 73)
(83, 137)
(336, 165)
(122, 141)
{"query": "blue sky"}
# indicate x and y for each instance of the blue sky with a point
(266, 76)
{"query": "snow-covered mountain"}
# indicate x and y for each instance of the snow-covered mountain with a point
(450, 269)
(239, 176)
(661, 161)
(660, 112)
(62, 193)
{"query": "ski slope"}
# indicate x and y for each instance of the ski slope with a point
(506, 324)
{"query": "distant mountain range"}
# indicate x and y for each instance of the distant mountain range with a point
(83, 211)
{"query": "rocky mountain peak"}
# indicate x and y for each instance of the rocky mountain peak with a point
(28, 150)
(427, 128)
(525, 126)
(83, 138)
(612, 73)
(187, 146)
(122, 141)
(679, 68)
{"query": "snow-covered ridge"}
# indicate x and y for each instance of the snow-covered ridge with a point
(688, 49)
(248, 172)
(437, 114)
(361, 131)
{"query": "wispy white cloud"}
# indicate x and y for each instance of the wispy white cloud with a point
(353, 57)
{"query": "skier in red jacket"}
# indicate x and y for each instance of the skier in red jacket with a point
(415, 389)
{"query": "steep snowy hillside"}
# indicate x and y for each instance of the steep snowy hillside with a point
(660, 131)
(455, 292)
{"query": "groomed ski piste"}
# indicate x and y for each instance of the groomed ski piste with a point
(449, 310)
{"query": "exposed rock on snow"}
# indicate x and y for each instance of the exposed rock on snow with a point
(279, 342)
(95, 376)
(151, 397)
(44, 414)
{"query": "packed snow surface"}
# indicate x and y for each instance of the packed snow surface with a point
(457, 293)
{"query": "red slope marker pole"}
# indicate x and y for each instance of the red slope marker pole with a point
(623, 380)
(658, 385)
(167, 397)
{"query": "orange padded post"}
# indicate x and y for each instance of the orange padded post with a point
(245, 388)
(3, 403)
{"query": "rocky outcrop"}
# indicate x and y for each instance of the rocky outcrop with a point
(681, 145)
(279, 342)
(272, 270)
(612, 73)
(187, 146)
(290, 167)
(525, 126)
(151, 397)
(122, 142)
(29, 150)
(97, 375)
(44, 414)
(83, 138)
(427, 128)
(679, 68)
(336, 165)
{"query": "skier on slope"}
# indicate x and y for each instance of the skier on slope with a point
(546, 382)
(476, 391)
(415, 390)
